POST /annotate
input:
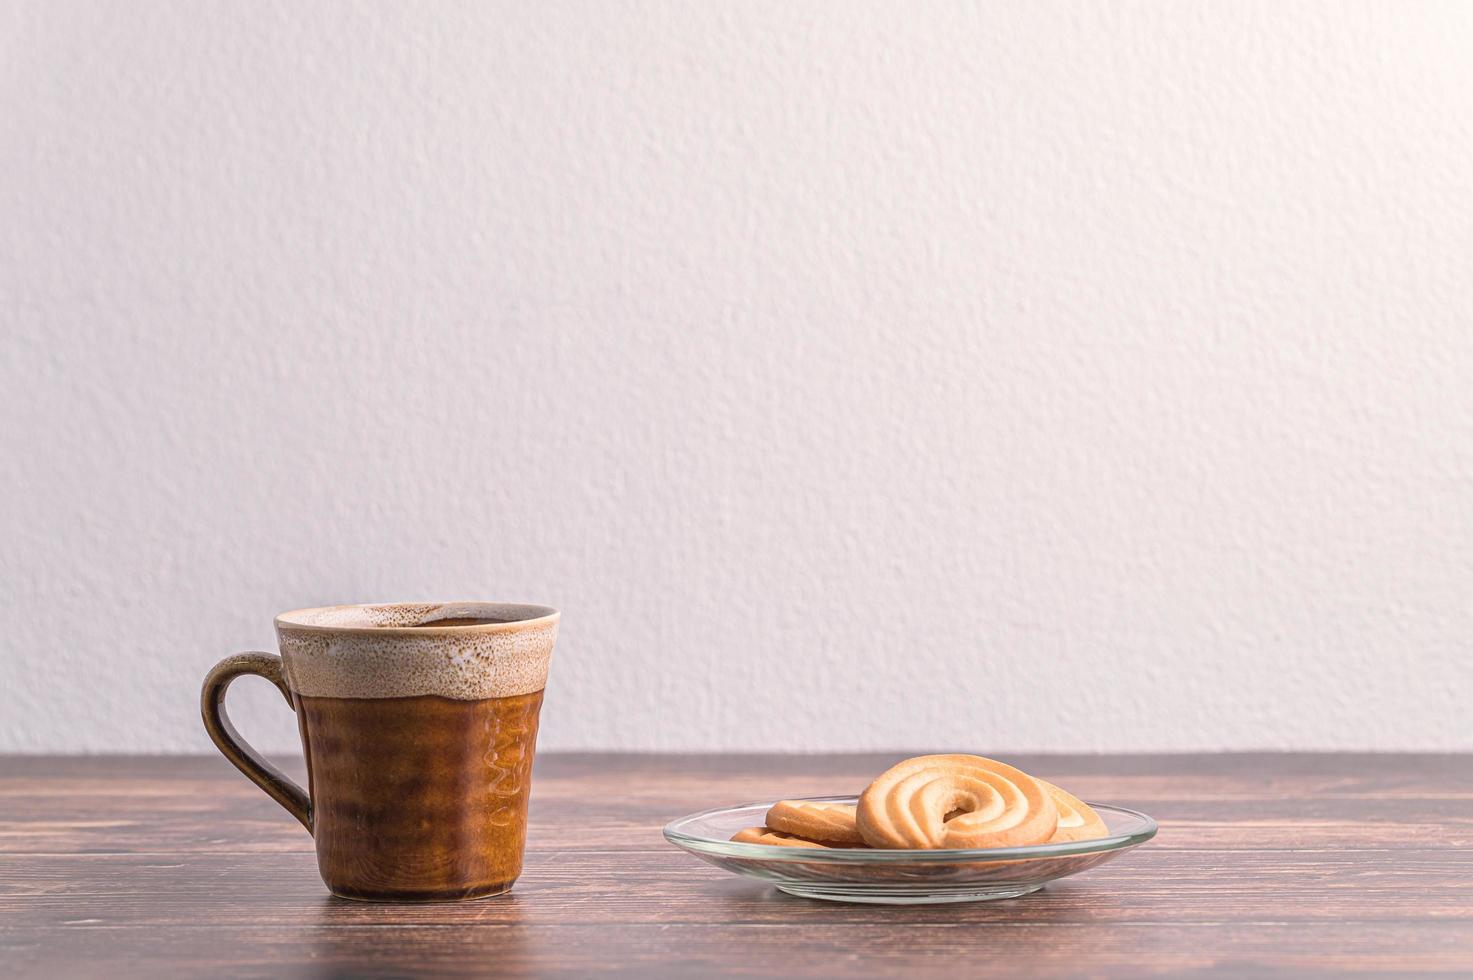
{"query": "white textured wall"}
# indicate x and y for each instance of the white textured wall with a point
(999, 376)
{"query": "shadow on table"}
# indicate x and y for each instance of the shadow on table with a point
(356, 939)
(1064, 903)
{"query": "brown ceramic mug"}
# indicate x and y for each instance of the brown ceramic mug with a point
(418, 721)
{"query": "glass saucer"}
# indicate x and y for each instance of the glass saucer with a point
(888, 877)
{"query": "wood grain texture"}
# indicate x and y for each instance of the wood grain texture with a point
(1278, 864)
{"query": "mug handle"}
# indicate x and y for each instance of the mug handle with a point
(236, 749)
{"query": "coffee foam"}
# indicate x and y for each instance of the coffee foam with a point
(370, 651)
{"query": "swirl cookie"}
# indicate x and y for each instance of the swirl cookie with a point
(1076, 820)
(955, 801)
(776, 838)
(832, 823)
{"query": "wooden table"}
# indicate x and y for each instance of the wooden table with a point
(1264, 863)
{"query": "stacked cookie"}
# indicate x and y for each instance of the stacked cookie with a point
(936, 801)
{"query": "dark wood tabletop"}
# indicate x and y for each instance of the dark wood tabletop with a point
(1278, 864)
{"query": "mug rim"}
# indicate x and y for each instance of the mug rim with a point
(531, 614)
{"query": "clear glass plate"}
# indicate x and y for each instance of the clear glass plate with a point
(891, 877)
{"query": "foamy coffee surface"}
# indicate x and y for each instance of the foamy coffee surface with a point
(396, 651)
